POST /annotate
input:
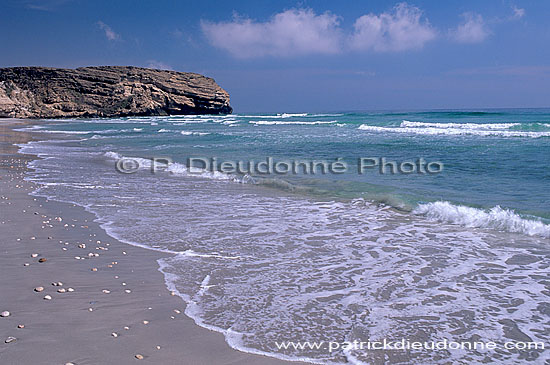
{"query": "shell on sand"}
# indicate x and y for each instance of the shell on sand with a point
(20, 326)
(139, 357)
(105, 291)
(62, 290)
(10, 339)
(38, 289)
(48, 297)
(5, 314)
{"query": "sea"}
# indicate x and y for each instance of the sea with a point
(427, 226)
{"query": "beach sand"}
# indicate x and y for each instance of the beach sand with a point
(94, 317)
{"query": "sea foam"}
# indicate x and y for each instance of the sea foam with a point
(495, 218)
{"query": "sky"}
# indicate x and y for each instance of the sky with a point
(304, 56)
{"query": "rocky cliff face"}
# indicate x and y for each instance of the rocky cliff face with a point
(107, 91)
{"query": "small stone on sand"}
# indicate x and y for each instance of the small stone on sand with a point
(90, 309)
(128, 291)
(94, 269)
(158, 347)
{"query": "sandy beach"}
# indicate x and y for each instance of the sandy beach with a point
(77, 296)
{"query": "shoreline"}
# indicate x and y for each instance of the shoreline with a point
(97, 315)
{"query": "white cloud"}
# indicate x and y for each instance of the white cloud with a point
(400, 30)
(472, 30)
(109, 33)
(518, 12)
(292, 32)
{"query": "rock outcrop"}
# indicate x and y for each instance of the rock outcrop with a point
(107, 91)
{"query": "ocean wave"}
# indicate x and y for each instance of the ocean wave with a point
(188, 133)
(496, 218)
(276, 116)
(66, 132)
(482, 126)
(174, 168)
(270, 122)
(454, 131)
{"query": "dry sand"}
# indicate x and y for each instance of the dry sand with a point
(78, 326)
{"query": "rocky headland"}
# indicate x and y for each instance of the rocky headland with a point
(107, 91)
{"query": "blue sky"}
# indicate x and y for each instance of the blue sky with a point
(290, 56)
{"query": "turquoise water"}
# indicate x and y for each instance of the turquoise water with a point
(497, 157)
(458, 255)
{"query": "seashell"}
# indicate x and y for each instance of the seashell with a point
(82, 245)
(94, 269)
(70, 290)
(34, 255)
(124, 253)
(158, 347)
(43, 259)
(145, 322)
(33, 238)
(10, 339)
(177, 311)
(26, 264)
(105, 291)
(123, 284)
(126, 328)
(38, 289)
(128, 291)
(5, 314)
(114, 334)
(62, 290)
(172, 293)
(47, 297)
(139, 357)
(90, 309)
(20, 326)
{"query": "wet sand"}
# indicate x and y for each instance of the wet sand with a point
(109, 304)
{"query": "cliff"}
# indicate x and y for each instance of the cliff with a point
(107, 91)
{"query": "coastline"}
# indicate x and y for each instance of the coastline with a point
(126, 290)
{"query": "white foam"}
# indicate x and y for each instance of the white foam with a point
(269, 122)
(188, 133)
(483, 126)
(496, 218)
(453, 131)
